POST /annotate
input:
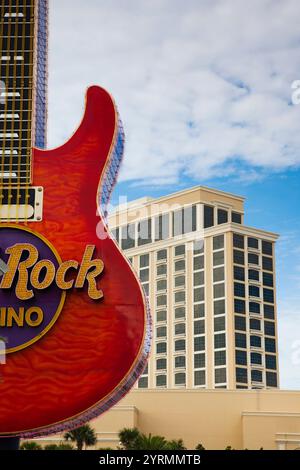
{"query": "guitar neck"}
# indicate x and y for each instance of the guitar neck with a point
(23, 103)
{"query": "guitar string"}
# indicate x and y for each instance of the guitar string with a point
(6, 100)
(29, 115)
(22, 74)
(11, 147)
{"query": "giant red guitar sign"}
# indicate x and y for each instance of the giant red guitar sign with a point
(72, 312)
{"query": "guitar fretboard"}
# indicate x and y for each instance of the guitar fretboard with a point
(22, 29)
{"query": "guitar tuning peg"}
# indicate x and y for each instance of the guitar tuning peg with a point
(3, 267)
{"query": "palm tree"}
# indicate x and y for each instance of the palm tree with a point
(200, 447)
(83, 436)
(128, 438)
(176, 445)
(150, 442)
(30, 445)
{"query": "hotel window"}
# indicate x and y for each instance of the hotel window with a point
(199, 294)
(271, 362)
(199, 310)
(144, 232)
(180, 345)
(220, 358)
(198, 263)
(268, 279)
(253, 275)
(198, 247)
(179, 250)
(271, 379)
(241, 375)
(267, 248)
(240, 340)
(162, 227)
(161, 300)
(218, 258)
(255, 324)
(115, 233)
(128, 237)
(220, 341)
(219, 323)
(254, 307)
(179, 281)
(143, 382)
(240, 323)
(161, 285)
(180, 265)
(199, 343)
(184, 221)
(255, 341)
(241, 358)
(239, 273)
(236, 218)
(254, 291)
(179, 297)
(218, 275)
(220, 376)
(179, 329)
(199, 361)
(218, 242)
(161, 348)
(238, 241)
(208, 216)
(253, 259)
(161, 364)
(161, 380)
(269, 312)
(267, 263)
(179, 312)
(199, 327)
(238, 257)
(256, 375)
(162, 255)
(161, 332)
(222, 216)
(256, 358)
(161, 270)
(269, 328)
(270, 345)
(219, 290)
(161, 315)
(180, 379)
(252, 243)
(199, 278)
(144, 261)
(268, 295)
(239, 289)
(219, 307)
(239, 306)
(180, 362)
(144, 275)
(199, 377)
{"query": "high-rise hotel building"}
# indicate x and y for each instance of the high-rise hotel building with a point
(211, 285)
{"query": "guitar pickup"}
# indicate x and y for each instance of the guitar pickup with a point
(21, 204)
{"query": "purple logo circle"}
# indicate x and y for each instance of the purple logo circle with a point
(23, 322)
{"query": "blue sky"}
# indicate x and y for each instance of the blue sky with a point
(204, 91)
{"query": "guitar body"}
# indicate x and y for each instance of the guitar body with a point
(96, 349)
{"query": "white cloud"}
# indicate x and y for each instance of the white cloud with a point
(197, 82)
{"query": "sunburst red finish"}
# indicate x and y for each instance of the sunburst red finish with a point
(87, 360)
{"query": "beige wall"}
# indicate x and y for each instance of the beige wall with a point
(217, 418)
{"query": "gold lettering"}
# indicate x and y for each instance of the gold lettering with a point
(97, 267)
(49, 275)
(62, 273)
(39, 316)
(14, 263)
(17, 317)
